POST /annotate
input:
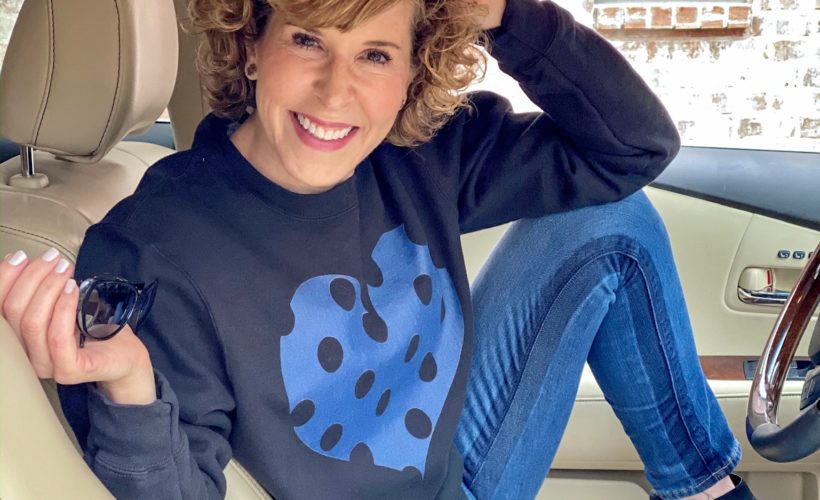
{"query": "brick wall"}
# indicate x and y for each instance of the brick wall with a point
(731, 74)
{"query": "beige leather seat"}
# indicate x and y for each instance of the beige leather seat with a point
(78, 76)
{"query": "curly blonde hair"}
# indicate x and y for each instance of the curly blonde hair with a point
(445, 57)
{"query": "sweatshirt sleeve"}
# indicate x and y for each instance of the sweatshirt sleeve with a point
(177, 446)
(602, 135)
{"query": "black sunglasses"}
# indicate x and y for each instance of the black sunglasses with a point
(108, 303)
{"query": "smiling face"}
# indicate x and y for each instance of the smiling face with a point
(325, 99)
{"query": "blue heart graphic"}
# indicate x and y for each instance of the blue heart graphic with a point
(374, 382)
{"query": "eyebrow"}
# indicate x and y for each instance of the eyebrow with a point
(371, 43)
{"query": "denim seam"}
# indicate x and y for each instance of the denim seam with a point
(528, 351)
(672, 363)
(683, 405)
(734, 457)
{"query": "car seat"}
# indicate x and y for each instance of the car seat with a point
(77, 77)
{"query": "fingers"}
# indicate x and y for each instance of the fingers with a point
(39, 316)
(62, 336)
(122, 360)
(10, 269)
(25, 286)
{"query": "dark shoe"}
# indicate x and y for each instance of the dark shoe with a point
(741, 491)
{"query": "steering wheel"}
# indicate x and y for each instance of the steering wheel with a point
(801, 437)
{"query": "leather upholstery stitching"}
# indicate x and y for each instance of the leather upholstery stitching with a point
(119, 78)
(131, 153)
(16, 232)
(47, 89)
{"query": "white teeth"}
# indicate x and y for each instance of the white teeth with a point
(320, 132)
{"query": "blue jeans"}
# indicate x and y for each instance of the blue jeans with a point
(597, 285)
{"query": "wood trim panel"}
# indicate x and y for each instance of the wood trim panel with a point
(724, 367)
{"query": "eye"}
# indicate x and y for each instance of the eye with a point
(378, 57)
(305, 41)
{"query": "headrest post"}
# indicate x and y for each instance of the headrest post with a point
(27, 178)
(27, 161)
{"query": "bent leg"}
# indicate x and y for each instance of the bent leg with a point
(595, 283)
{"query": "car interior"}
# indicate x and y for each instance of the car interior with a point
(743, 226)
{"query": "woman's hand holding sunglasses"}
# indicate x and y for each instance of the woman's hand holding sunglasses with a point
(39, 300)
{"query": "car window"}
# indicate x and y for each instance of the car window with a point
(731, 74)
(8, 14)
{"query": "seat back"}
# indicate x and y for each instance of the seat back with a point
(78, 76)
(37, 458)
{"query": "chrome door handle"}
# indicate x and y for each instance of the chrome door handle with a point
(759, 297)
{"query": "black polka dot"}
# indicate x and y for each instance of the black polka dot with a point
(443, 310)
(344, 293)
(375, 327)
(364, 383)
(302, 413)
(381, 406)
(284, 322)
(412, 348)
(330, 354)
(424, 288)
(418, 423)
(361, 454)
(331, 437)
(428, 368)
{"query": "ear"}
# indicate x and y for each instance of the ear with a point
(251, 66)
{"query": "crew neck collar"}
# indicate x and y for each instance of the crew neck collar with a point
(340, 198)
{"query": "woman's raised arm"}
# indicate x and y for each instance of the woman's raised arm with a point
(602, 135)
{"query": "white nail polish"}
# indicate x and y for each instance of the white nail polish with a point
(69, 286)
(61, 266)
(51, 254)
(17, 258)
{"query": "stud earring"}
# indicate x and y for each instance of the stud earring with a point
(250, 71)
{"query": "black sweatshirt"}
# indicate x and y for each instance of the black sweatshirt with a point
(324, 340)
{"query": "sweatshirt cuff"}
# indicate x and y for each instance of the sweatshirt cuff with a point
(527, 30)
(133, 437)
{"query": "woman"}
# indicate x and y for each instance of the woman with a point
(313, 317)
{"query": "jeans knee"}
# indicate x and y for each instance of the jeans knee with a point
(632, 221)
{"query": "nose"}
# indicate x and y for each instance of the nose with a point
(334, 85)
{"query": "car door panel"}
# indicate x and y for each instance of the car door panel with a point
(712, 244)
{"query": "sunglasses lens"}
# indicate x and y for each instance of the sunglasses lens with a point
(106, 308)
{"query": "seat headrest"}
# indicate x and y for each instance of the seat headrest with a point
(79, 76)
